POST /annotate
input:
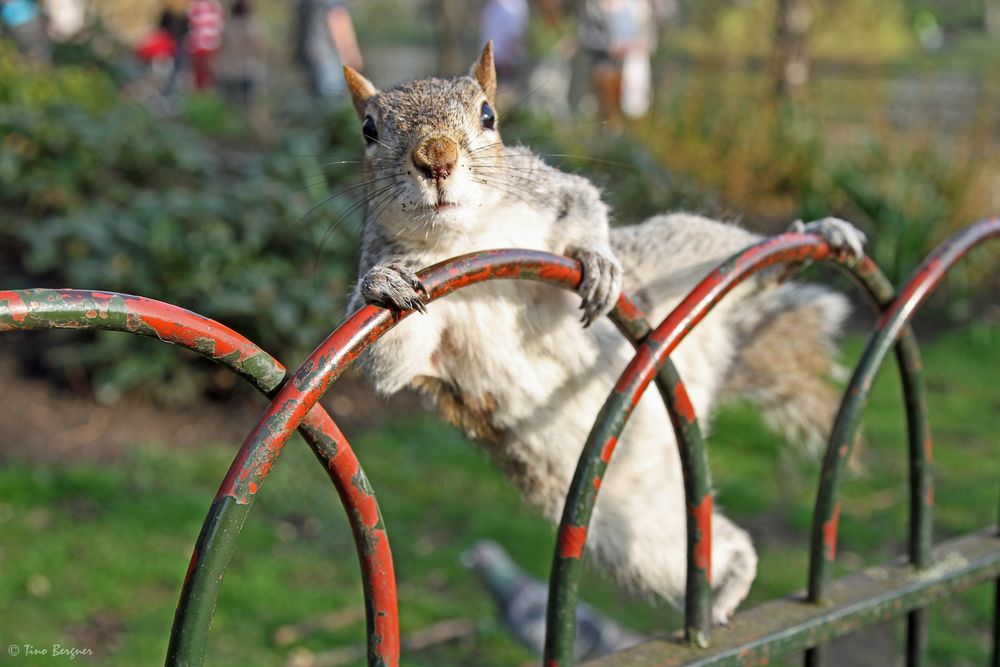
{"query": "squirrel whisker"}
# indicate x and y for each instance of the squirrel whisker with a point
(347, 213)
(348, 190)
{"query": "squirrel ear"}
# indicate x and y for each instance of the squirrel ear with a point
(361, 89)
(485, 72)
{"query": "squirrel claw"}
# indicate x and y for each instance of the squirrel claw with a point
(600, 286)
(394, 286)
(840, 234)
(416, 304)
(410, 277)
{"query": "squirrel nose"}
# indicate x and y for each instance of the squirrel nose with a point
(435, 157)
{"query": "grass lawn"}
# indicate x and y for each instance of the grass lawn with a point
(93, 556)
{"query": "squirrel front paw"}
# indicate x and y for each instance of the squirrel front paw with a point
(601, 284)
(840, 234)
(393, 286)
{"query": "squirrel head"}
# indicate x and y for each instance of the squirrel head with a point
(433, 152)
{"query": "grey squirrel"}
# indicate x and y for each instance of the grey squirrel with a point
(510, 363)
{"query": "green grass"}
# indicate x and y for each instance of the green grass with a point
(756, 477)
(93, 555)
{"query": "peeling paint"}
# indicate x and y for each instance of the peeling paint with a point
(702, 513)
(571, 541)
(830, 533)
(684, 407)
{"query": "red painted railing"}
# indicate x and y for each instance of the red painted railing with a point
(294, 405)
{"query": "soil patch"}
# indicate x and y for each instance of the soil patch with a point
(42, 423)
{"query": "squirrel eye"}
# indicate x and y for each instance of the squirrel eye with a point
(487, 117)
(369, 130)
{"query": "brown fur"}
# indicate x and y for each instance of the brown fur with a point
(361, 89)
(783, 364)
(485, 73)
(474, 416)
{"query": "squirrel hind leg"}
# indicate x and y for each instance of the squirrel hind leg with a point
(644, 549)
(734, 565)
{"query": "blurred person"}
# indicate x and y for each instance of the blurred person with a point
(505, 22)
(158, 49)
(240, 65)
(633, 38)
(66, 18)
(23, 21)
(206, 20)
(616, 39)
(174, 23)
(325, 41)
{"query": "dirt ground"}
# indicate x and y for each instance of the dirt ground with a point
(40, 422)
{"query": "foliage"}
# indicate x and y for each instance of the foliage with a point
(879, 29)
(101, 194)
(909, 199)
(951, 14)
(907, 189)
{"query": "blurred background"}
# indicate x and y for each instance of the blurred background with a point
(203, 154)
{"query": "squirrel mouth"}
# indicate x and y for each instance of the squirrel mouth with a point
(443, 204)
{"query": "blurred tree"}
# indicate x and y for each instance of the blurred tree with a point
(955, 15)
(878, 30)
(789, 62)
(451, 21)
(991, 16)
(704, 13)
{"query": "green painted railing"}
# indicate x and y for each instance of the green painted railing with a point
(829, 610)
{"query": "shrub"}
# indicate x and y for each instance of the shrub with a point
(100, 194)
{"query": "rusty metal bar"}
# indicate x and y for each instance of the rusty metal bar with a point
(697, 480)
(36, 309)
(917, 637)
(81, 309)
(568, 557)
(910, 367)
(611, 420)
(996, 624)
(785, 626)
(332, 357)
(293, 401)
(889, 327)
(996, 613)
(698, 494)
(921, 482)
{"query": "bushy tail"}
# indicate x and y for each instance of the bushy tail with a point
(786, 360)
(784, 350)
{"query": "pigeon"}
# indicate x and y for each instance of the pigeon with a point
(523, 599)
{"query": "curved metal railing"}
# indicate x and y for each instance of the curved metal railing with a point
(612, 418)
(294, 406)
(81, 309)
